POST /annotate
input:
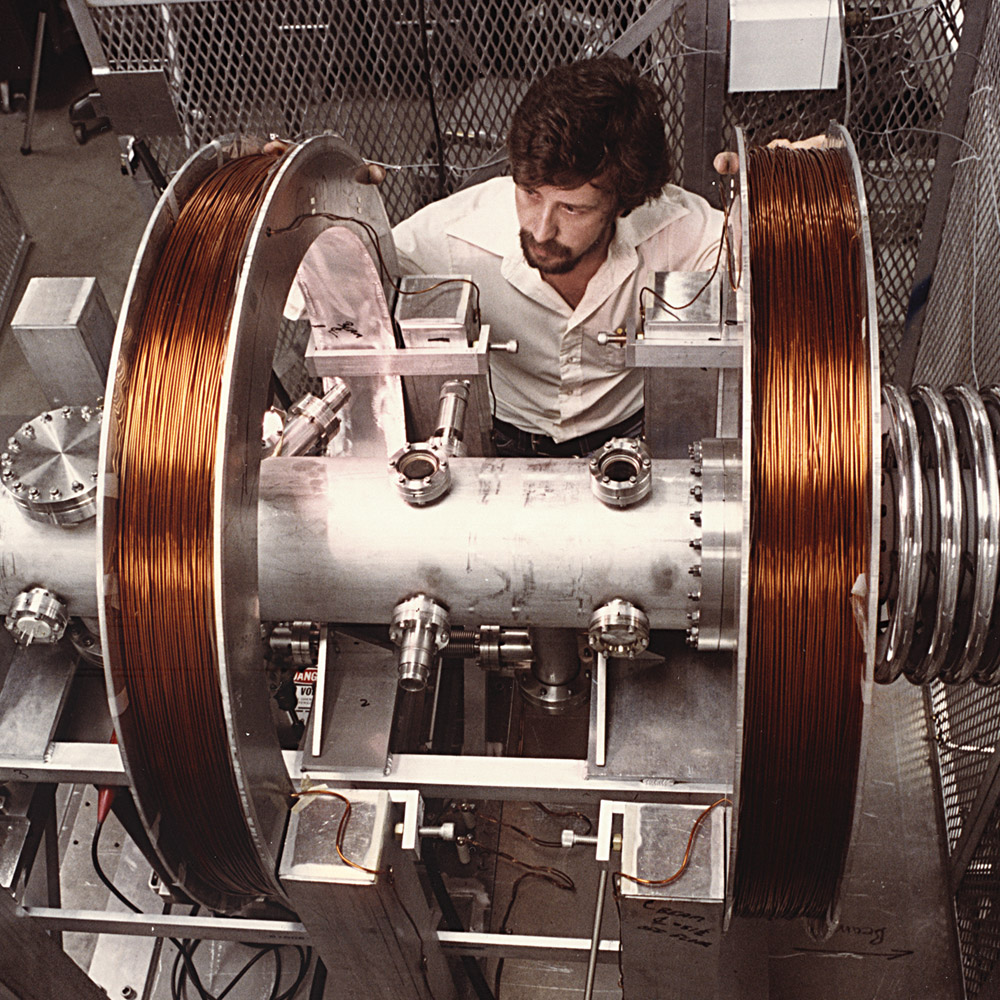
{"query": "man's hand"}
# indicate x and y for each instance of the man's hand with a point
(367, 173)
(277, 146)
(728, 163)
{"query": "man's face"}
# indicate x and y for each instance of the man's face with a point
(560, 227)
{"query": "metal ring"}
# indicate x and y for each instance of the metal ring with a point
(618, 628)
(901, 583)
(420, 474)
(987, 669)
(621, 472)
(943, 550)
(978, 574)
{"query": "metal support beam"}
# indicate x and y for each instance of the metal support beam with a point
(168, 925)
(706, 37)
(975, 823)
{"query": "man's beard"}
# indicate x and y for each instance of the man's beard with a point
(559, 258)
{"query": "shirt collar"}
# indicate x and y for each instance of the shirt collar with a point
(493, 228)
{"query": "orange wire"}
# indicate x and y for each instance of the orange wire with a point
(702, 816)
(341, 828)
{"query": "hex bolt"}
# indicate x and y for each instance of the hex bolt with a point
(693, 616)
(695, 543)
(55, 493)
(33, 492)
(696, 491)
(47, 417)
(694, 595)
(696, 516)
(28, 431)
(77, 487)
(692, 636)
(695, 570)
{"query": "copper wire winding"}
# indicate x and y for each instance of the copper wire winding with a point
(163, 551)
(809, 528)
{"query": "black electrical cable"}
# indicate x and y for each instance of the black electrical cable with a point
(432, 102)
(453, 921)
(186, 950)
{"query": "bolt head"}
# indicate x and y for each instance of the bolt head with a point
(55, 493)
(77, 487)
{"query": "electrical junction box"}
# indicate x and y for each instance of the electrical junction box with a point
(784, 45)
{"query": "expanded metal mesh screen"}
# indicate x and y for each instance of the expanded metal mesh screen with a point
(13, 247)
(300, 67)
(960, 344)
(901, 57)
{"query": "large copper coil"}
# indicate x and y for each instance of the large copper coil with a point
(810, 551)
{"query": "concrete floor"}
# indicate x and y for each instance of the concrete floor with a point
(896, 937)
(82, 215)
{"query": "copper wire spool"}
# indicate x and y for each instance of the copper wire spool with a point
(810, 532)
(177, 505)
(163, 559)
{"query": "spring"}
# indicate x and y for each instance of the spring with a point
(809, 533)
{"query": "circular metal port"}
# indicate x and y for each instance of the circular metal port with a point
(49, 465)
(420, 474)
(621, 472)
(618, 628)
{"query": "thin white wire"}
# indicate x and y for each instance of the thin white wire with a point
(908, 10)
(424, 166)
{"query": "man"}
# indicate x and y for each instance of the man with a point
(561, 250)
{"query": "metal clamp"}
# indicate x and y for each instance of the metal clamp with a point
(621, 472)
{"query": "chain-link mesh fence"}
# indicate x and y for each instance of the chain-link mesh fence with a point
(13, 248)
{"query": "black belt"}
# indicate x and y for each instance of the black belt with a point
(512, 441)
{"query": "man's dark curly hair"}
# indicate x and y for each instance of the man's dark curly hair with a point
(592, 118)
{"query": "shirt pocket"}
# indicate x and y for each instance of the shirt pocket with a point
(602, 358)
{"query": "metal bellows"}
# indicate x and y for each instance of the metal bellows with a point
(940, 609)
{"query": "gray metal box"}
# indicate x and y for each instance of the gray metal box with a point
(65, 330)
